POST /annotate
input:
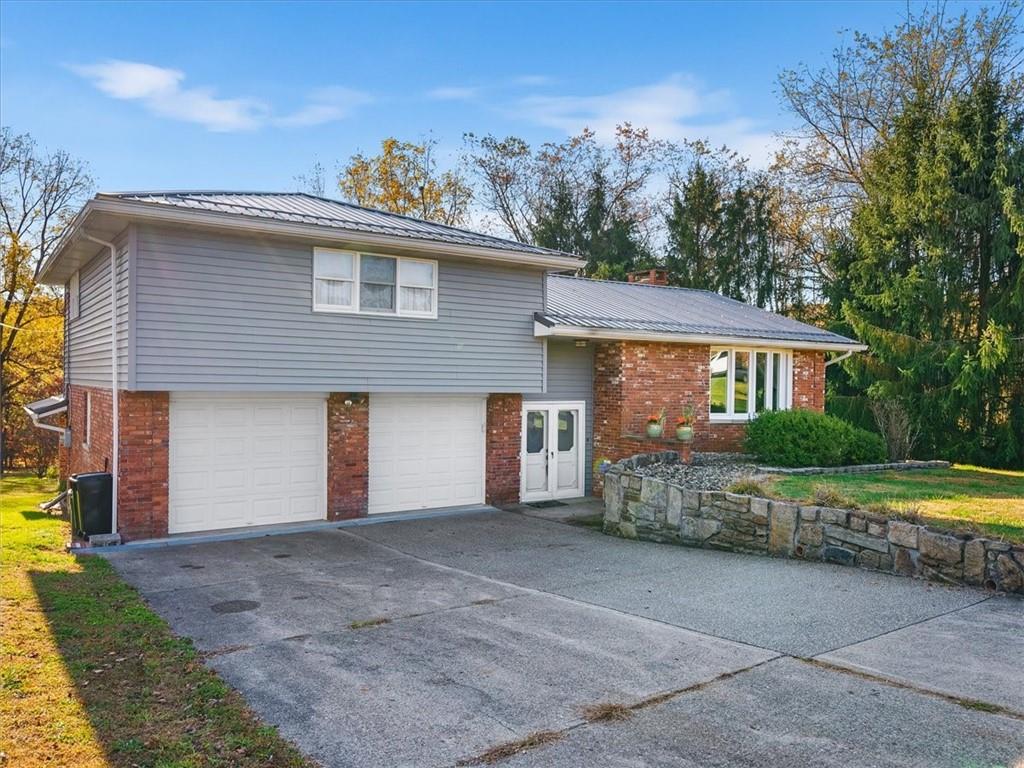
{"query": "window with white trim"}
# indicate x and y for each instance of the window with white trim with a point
(745, 382)
(368, 283)
(73, 297)
(88, 419)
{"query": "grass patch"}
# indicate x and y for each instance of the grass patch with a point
(606, 712)
(91, 676)
(364, 623)
(749, 486)
(987, 501)
(513, 748)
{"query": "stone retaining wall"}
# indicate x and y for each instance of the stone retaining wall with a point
(648, 508)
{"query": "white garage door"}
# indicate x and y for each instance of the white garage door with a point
(245, 460)
(426, 451)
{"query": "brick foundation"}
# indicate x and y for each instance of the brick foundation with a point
(348, 457)
(144, 440)
(504, 443)
(633, 379)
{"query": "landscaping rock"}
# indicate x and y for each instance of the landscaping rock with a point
(974, 562)
(839, 555)
(1008, 574)
(782, 532)
(858, 539)
(940, 548)
(903, 534)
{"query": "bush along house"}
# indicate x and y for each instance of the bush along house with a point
(247, 359)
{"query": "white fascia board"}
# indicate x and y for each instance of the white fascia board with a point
(159, 212)
(540, 329)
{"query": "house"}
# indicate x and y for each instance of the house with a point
(282, 357)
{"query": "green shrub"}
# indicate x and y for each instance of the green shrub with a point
(811, 439)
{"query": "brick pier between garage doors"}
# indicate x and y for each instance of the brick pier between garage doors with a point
(194, 461)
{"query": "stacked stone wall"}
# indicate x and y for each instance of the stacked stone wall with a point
(648, 508)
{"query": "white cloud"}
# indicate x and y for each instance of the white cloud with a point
(453, 93)
(161, 90)
(675, 108)
(326, 105)
(531, 80)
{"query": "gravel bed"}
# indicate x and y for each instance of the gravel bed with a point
(708, 472)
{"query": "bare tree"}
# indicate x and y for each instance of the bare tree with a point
(39, 195)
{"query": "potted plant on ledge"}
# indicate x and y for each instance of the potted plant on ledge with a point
(684, 425)
(656, 423)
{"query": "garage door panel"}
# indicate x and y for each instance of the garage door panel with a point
(245, 460)
(425, 451)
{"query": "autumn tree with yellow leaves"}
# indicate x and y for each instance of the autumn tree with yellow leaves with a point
(404, 178)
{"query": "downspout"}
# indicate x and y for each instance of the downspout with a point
(116, 426)
(839, 359)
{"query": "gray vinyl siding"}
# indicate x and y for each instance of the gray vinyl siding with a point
(230, 313)
(88, 336)
(571, 377)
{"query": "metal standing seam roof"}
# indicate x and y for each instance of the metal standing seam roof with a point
(605, 304)
(302, 208)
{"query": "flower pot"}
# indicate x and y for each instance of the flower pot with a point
(654, 429)
(684, 433)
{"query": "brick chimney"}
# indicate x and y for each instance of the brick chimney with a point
(649, 277)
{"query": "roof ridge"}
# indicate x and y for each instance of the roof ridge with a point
(196, 193)
(645, 285)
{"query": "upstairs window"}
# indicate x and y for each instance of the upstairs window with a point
(345, 281)
(745, 382)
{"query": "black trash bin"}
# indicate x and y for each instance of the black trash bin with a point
(91, 503)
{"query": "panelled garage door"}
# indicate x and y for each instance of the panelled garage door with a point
(245, 460)
(426, 451)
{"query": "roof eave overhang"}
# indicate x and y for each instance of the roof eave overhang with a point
(546, 328)
(51, 273)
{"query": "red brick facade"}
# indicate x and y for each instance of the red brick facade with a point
(142, 460)
(633, 379)
(809, 380)
(348, 445)
(504, 443)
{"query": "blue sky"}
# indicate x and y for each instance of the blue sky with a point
(247, 96)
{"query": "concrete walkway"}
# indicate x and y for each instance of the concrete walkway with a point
(429, 642)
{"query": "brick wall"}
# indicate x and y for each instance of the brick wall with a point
(809, 380)
(504, 442)
(633, 379)
(142, 464)
(348, 446)
(142, 472)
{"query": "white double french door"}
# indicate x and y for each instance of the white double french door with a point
(553, 452)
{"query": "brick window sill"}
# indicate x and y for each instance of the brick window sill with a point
(663, 439)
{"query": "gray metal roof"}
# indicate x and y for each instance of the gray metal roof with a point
(615, 306)
(299, 207)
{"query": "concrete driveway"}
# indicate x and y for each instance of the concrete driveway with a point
(500, 626)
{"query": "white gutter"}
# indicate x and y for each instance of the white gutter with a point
(115, 410)
(839, 359)
(35, 420)
(578, 332)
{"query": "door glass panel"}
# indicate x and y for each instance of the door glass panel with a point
(741, 382)
(566, 430)
(536, 431)
(760, 380)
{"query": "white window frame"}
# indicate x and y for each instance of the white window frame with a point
(355, 309)
(88, 419)
(785, 391)
(74, 297)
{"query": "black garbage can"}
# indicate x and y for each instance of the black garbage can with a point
(91, 503)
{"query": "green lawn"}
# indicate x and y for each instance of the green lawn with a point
(89, 676)
(990, 501)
